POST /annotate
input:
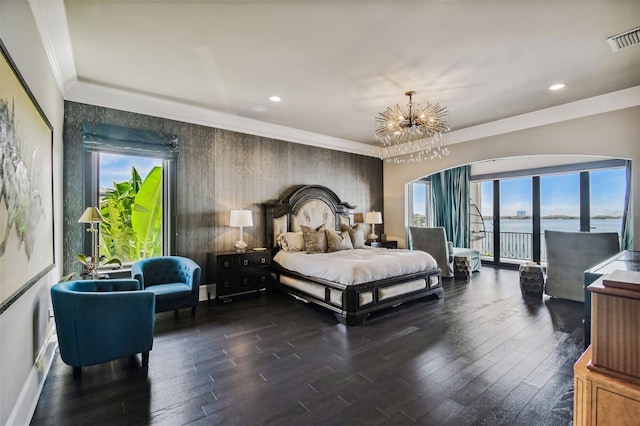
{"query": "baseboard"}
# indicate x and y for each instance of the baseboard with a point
(207, 292)
(25, 406)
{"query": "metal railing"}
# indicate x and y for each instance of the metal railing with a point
(513, 245)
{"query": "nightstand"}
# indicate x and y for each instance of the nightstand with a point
(237, 273)
(383, 244)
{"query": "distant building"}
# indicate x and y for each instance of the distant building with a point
(521, 213)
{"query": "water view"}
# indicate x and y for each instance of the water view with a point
(516, 235)
(569, 225)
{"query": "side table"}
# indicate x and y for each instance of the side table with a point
(531, 279)
(462, 267)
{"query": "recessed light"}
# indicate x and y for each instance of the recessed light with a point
(275, 98)
(258, 108)
(557, 86)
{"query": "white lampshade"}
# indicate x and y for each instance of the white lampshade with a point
(240, 218)
(91, 215)
(373, 217)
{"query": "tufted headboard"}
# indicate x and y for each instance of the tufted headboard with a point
(310, 205)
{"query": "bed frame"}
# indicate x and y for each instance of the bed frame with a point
(313, 205)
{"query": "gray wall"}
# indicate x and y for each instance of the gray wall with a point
(218, 171)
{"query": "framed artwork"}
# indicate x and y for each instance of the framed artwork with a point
(26, 186)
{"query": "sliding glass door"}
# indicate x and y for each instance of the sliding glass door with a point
(559, 205)
(516, 210)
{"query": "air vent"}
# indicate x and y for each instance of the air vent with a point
(624, 40)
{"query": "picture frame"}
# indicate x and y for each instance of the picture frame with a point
(26, 186)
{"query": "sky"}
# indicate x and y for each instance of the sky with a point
(117, 168)
(559, 193)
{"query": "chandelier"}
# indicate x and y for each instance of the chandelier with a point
(412, 129)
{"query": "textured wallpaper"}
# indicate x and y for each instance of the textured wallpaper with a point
(217, 171)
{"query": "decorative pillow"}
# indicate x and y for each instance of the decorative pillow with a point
(356, 234)
(315, 240)
(337, 241)
(291, 241)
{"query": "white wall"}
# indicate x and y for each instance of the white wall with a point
(612, 134)
(24, 326)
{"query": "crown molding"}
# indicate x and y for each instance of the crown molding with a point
(608, 102)
(159, 107)
(51, 20)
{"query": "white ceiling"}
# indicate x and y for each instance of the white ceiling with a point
(336, 64)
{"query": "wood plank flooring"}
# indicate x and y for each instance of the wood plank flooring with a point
(483, 355)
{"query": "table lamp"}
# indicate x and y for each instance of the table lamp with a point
(373, 218)
(92, 215)
(240, 218)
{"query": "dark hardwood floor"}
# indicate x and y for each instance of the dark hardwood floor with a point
(483, 355)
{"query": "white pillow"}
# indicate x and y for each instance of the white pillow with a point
(291, 241)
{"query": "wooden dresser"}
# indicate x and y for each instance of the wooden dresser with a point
(601, 399)
(238, 272)
(607, 375)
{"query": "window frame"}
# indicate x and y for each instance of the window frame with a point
(91, 197)
(583, 169)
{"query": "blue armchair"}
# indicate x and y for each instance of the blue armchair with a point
(175, 281)
(99, 321)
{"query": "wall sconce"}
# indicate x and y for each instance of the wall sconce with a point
(373, 218)
(240, 219)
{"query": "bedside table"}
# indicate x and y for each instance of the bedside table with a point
(237, 273)
(383, 244)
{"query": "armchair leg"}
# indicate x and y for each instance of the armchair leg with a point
(77, 373)
(145, 358)
(193, 311)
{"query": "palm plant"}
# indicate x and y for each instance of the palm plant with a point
(132, 213)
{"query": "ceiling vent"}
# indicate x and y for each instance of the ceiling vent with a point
(624, 40)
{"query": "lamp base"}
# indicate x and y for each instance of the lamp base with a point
(240, 245)
(372, 237)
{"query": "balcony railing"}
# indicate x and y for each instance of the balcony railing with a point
(513, 245)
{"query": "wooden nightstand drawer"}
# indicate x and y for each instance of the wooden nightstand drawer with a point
(226, 263)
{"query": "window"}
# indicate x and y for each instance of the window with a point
(578, 197)
(481, 222)
(420, 204)
(516, 212)
(607, 199)
(130, 175)
(130, 190)
(559, 205)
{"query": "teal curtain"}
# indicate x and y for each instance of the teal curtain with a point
(450, 201)
(124, 140)
(626, 242)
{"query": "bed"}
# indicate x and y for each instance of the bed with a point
(350, 282)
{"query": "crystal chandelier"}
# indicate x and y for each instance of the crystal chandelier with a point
(412, 129)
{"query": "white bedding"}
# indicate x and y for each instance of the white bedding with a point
(357, 266)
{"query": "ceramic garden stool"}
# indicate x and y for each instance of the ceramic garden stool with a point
(531, 279)
(462, 267)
